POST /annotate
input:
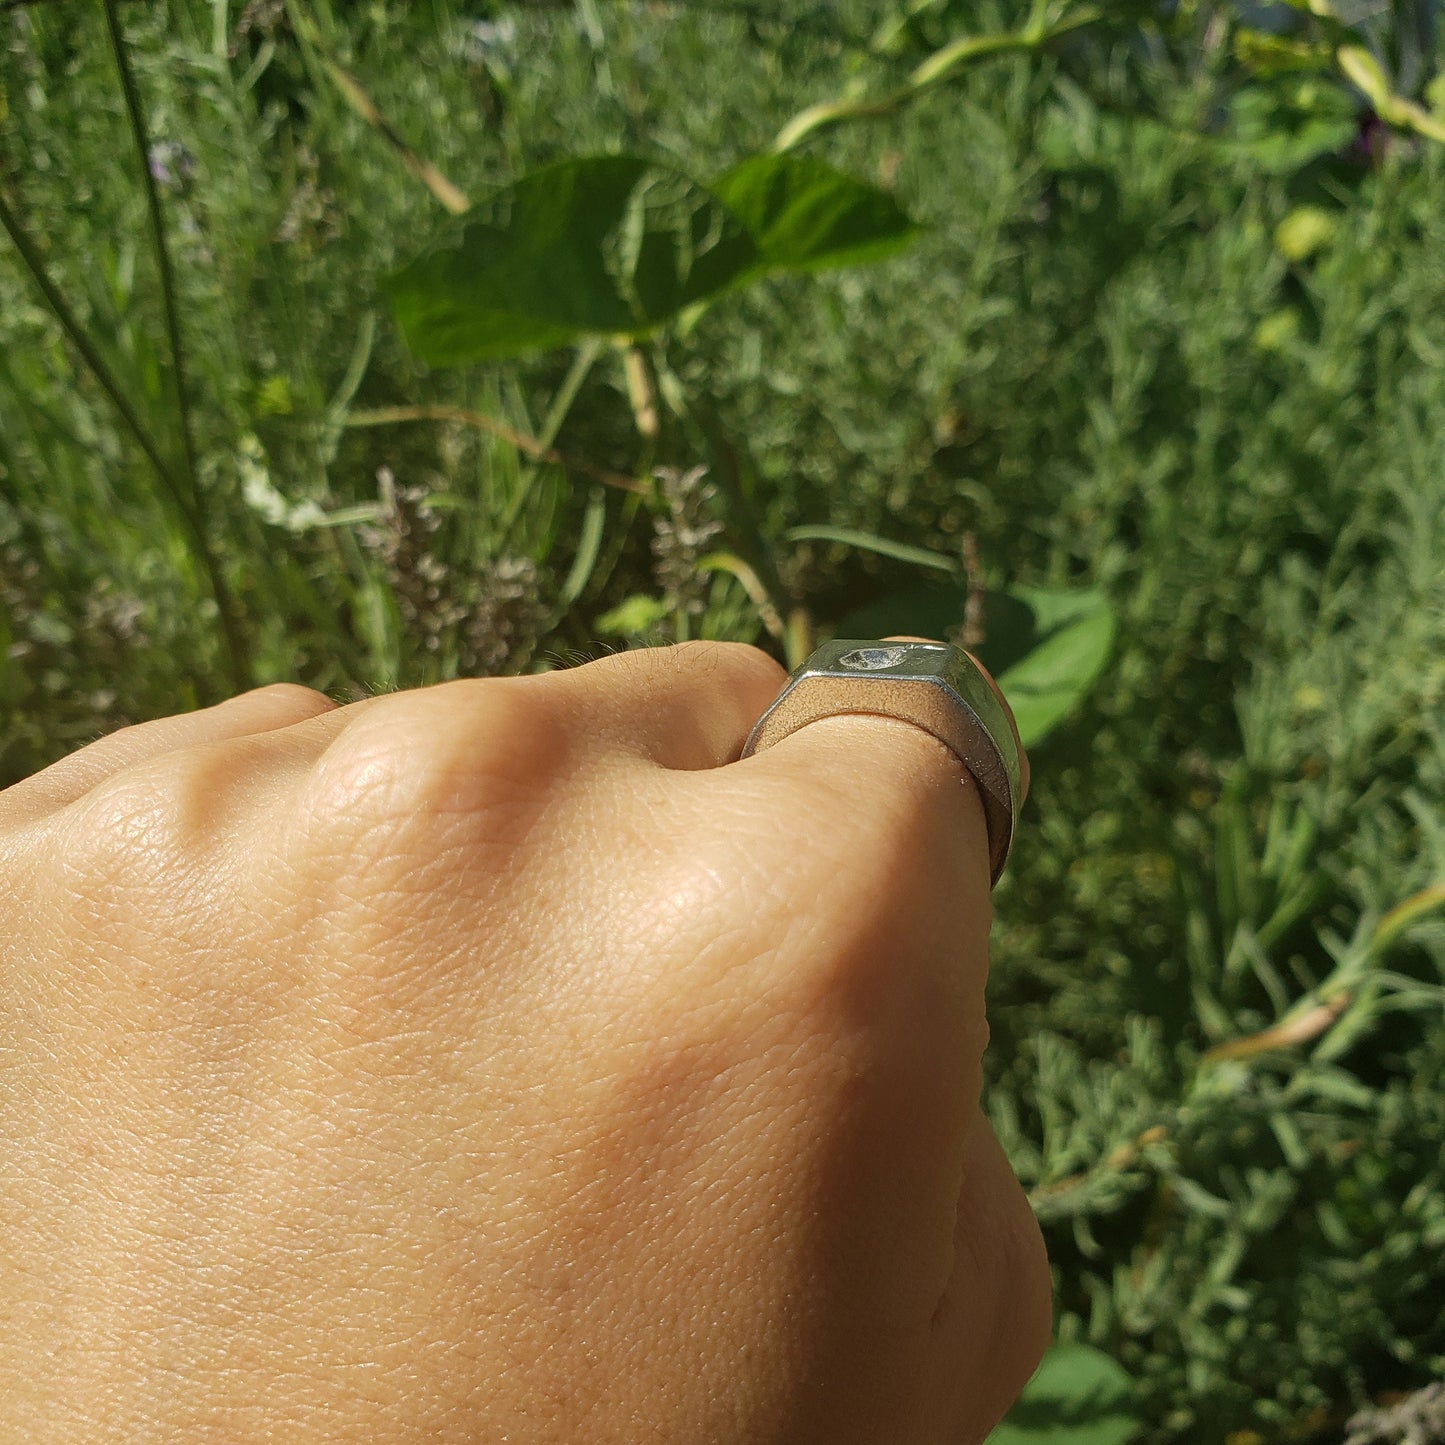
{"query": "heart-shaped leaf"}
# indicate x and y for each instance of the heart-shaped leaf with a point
(1076, 636)
(1078, 1396)
(597, 244)
(805, 216)
(1045, 647)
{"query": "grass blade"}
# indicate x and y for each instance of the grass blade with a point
(588, 546)
(920, 556)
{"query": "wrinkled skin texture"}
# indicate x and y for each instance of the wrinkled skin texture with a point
(498, 1061)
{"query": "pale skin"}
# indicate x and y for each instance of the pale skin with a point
(499, 1061)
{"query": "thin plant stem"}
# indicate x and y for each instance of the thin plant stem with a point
(752, 545)
(941, 66)
(641, 392)
(466, 416)
(582, 363)
(359, 99)
(60, 309)
(158, 240)
(734, 565)
(194, 507)
(798, 640)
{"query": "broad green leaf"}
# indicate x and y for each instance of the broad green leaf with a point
(1046, 648)
(1050, 682)
(805, 216)
(611, 245)
(1078, 1396)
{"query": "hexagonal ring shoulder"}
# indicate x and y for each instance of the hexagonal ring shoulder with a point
(935, 686)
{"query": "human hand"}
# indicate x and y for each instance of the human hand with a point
(498, 1061)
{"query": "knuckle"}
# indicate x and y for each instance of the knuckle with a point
(127, 828)
(655, 664)
(163, 818)
(702, 658)
(738, 661)
(293, 699)
(461, 748)
(746, 654)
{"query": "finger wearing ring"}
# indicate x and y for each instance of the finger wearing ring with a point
(935, 686)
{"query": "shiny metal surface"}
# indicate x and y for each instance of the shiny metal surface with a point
(934, 686)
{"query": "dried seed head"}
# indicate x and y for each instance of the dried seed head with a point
(418, 579)
(1419, 1419)
(262, 18)
(507, 618)
(500, 611)
(117, 613)
(682, 535)
(313, 216)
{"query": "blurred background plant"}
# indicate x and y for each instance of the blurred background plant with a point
(1106, 338)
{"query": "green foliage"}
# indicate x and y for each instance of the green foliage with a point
(1075, 636)
(633, 616)
(1078, 1396)
(618, 245)
(1046, 647)
(804, 216)
(601, 244)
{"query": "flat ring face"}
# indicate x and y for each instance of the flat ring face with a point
(936, 687)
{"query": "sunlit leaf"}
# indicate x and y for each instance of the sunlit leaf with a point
(805, 216)
(610, 245)
(634, 615)
(1078, 1396)
(1303, 231)
(1045, 647)
(1366, 72)
(1045, 686)
(1268, 54)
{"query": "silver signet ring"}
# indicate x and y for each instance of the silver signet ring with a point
(935, 686)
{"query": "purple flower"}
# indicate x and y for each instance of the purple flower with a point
(171, 164)
(1372, 140)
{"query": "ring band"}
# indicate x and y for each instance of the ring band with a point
(935, 686)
